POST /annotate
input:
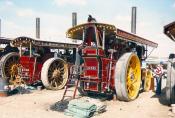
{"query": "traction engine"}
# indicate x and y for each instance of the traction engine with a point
(36, 62)
(110, 59)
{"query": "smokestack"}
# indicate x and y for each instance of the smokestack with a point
(38, 28)
(133, 20)
(74, 19)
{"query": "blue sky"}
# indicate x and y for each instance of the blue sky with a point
(18, 18)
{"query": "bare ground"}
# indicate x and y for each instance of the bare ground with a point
(37, 105)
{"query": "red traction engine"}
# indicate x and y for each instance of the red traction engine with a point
(37, 63)
(110, 59)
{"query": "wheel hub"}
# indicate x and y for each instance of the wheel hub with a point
(132, 76)
(56, 73)
(14, 69)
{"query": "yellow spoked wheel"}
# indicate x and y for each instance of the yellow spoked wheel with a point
(147, 81)
(133, 77)
(128, 77)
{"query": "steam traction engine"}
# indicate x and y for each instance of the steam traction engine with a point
(110, 59)
(36, 62)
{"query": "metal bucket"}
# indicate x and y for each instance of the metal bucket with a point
(3, 86)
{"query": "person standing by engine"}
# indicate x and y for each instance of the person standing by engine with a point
(158, 76)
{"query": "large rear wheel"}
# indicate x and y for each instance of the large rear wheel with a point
(54, 73)
(127, 77)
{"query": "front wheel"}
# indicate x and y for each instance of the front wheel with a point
(54, 73)
(127, 77)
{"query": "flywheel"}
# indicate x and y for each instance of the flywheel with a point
(127, 77)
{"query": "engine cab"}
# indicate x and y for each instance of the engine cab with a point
(97, 57)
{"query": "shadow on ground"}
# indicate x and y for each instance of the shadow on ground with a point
(162, 97)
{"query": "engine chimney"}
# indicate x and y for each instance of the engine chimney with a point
(38, 28)
(74, 19)
(133, 20)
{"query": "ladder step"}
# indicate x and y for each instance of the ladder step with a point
(70, 83)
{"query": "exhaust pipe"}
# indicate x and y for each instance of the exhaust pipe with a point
(38, 28)
(74, 19)
(75, 50)
(133, 20)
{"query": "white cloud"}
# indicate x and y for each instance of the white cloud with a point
(174, 5)
(122, 21)
(53, 26)
(9, 3)
(12, 30)
(25, 13)
(6, 5)
(70, 2)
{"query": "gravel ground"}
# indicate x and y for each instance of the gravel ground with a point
(37, 105)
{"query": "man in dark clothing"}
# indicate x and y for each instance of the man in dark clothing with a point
(91, 19)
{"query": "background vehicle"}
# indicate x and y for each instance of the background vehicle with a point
(36, 62)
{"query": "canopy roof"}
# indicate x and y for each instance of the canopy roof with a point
(77, 31)
(169, 30)
(25, 42)
(4, 40)
(135, 38)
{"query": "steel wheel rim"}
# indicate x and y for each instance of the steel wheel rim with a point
(133, 77)
(8, 61)
(57, 74)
